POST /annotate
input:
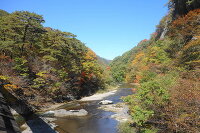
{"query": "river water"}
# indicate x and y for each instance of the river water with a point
(98, 121)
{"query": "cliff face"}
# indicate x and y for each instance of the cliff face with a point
(177, 8)
(182, 7)
(7, 121)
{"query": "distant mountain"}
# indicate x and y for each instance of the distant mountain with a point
(103, 61)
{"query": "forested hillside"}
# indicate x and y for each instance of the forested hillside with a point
(44, 64)
(166, 72)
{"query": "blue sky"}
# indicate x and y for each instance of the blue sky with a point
(108, 27)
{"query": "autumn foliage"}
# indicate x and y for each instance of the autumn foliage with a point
(44, 63)
(166, 74)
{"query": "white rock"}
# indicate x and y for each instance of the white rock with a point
(48, 113)
(13, 112)
(194, 38)
(105, 102)
(63, 113)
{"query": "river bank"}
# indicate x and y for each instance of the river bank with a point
(98, 96)
(112, 114)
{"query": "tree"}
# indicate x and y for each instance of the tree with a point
(23, 27)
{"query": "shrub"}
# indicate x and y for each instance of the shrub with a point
(190, 56)
(152, 95)
(125, 127)
(183, 29)
(21, 66)
(183, 111)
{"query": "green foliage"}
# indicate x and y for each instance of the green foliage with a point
(141, 115)
(125, 127)
(119, 75)
(147, 75)
(129, 99)
(157, 55)
(2, 77)
(41, 74)
(151, 96)
(21, 66)
(3, 13)
(39, 83)
(119, 66)
(62, 74)
(147, 130)
(48, 60)
(160, 102)
(190, 56)
(22, 27)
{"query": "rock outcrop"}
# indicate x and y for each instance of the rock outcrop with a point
(105, 102)
(65, 113)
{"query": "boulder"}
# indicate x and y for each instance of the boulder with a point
(48, 113)
(64, 113)
(13, 112)
(105, 102)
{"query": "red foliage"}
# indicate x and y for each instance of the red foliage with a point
(154, 34)
(186, 26)
(4, 58)
(108, 68)
(182, 113)
(133, 89)
(83, 74)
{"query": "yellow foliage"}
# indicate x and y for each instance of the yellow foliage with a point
(42, 73)
(153, 51)
(129, 78)
(90, 55)
(138, 58)
(192, 43)
(10, 87)
(4, 77)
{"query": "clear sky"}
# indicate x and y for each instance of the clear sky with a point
(108, 27)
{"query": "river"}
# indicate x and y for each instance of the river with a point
(98, 121)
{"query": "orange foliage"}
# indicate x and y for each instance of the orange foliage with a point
(133, 89)
(183, 111)
(4, 58)
(145, 40)
(138, 58)
(90, 55)
(108, 68)
(186, 26)
(192, 43)
(137, 78)
(10, 87)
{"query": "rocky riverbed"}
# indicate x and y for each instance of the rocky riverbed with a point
(85, 115)
(120, 110)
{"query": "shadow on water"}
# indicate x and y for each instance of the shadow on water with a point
(38, 125)
(7, 121)
(98, 121)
